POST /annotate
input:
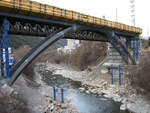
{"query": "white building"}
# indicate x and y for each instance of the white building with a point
(72, 44)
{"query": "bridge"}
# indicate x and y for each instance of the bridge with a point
(24, 17)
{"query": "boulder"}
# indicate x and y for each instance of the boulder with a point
(123, 107)
(6, 90)
(82, 89)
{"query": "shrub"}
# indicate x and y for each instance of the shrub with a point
(81, 57)
(88, 54)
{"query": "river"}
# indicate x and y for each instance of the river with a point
(83, 102)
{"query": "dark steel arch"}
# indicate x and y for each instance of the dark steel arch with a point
(21, 65)
(27, 59)
(122, 50)
(113, 39)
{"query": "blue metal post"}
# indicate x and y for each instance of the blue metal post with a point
(62, 95)
(137, 48)
(120, 75)
(133, 48)
(54, 91)
(112, 74)
(7, 67)
(1, 58)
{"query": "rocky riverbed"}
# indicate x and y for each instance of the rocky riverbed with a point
(38, 100)
(37, 95)
(94, 84)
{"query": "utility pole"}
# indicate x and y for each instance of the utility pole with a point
(132, 10)
(116, 14)
(147, 31)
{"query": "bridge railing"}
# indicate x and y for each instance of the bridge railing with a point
(47, 10)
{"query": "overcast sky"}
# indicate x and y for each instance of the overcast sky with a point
(100, 8)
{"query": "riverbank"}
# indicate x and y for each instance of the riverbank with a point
(93, 82)
(37, 95)
(82, 101)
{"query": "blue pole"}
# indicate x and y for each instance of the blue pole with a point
(62, 95)
(1, 58)
(7, 67)
(54, 91)
(120, 75)
(139, 46)
(134, 48)
(112, 74)
(137, 51)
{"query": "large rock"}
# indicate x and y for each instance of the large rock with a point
(138, 108)
(123, 107)
(82, 89)
(6, 90)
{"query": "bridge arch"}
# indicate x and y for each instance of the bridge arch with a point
(29, 57)
(111, 37)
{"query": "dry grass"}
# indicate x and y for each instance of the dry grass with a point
(87, 54)
(81, 58)
(140, 75)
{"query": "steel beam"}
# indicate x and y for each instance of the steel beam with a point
(35, 19)
(59, 22)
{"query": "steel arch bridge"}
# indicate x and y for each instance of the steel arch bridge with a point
(15, 19)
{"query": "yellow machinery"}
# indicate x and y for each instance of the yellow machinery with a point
(35, 8)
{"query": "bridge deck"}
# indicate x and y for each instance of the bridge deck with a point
(35, 8)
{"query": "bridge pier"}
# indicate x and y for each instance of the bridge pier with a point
(135, 46)
(120, 47)
(1, 53)
(5, 67)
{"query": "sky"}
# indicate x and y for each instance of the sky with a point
(108, 8)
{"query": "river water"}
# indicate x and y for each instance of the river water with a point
(83, 102)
